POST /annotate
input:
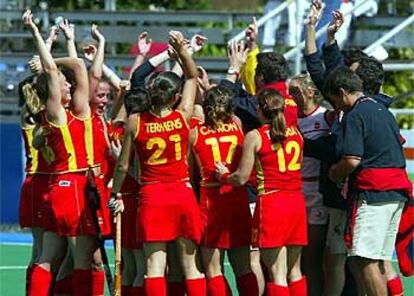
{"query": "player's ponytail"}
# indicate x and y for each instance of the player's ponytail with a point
(164, 89)
(217, 106)
(272, 105)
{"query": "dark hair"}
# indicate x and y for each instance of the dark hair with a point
(273, 66)
(136, 101)
(371, 73)
(70, 77)
(272, 105)
(41, 87)
(164, 87)
(218, 106)
(342, 77)
(352, 55)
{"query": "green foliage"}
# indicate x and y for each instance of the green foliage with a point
(400, 85)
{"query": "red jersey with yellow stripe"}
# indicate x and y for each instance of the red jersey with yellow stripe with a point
(100, 140)
(225, 144)
(68, 147)
(278, 164)
(30, 152)
(161, 144)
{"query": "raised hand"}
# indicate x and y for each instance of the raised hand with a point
(176, 40)
(53, 34)
(197, 42)
(125, 85)
(96, 35)
(237, 54)
(315, 12)
(35, 65)
(336, 22)
(252, 33)
(27, 19)
(67, 29)
(89, 52)
(144, 43)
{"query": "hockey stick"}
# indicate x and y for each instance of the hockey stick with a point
(94, 201)
(118, 258)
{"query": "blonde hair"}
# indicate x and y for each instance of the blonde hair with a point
(31, 98)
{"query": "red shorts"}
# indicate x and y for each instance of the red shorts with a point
(33, 196)
(280, 220)
(129, 229)
(226, 219)
(167, 211)
(67, 213)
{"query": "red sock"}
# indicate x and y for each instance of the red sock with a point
(175, 289)
(40, 281)
(247, 285)
(126, 290)
(275, 290)
(216, 286)
(63, 286)
(136, 291)
(395, 287)
(82, 283)
(98, 283)
(298, 288)
(196, 287)
(29, 271)
(155, 286)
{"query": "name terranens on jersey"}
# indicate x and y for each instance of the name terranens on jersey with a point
(223, 128)
(166, 126)
(290, 131)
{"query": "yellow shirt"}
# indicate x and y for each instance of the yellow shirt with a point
(248, 71)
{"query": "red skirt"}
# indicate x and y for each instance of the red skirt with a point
(67, 212)
(280, 220)
(168, 211)
(33, 196)
(226, 220)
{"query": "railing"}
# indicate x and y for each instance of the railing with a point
(397, 29)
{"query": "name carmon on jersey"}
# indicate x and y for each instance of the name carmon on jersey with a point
(223, 128)
(160, 127)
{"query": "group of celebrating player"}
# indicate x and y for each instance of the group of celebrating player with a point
(189, 177)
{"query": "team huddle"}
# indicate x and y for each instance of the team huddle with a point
(251, 166)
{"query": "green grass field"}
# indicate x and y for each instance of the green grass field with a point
(13, 260)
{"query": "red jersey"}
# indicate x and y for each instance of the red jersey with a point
(225, 144)
(30, 152)
(194, 121)
(291, 109)
(278, 164)
(161, 144)
(68, 147)
(100, 141)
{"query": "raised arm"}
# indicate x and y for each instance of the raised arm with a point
(314, 63)
(237, 54)
(69, 32)
(53, 34)
(144, 45)
(54, 108)
(248, 71)
(242, 174)
(122, 165)
(331, 52)
(80, 100)
(194, 45)
(95, 71)
(190, 70)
